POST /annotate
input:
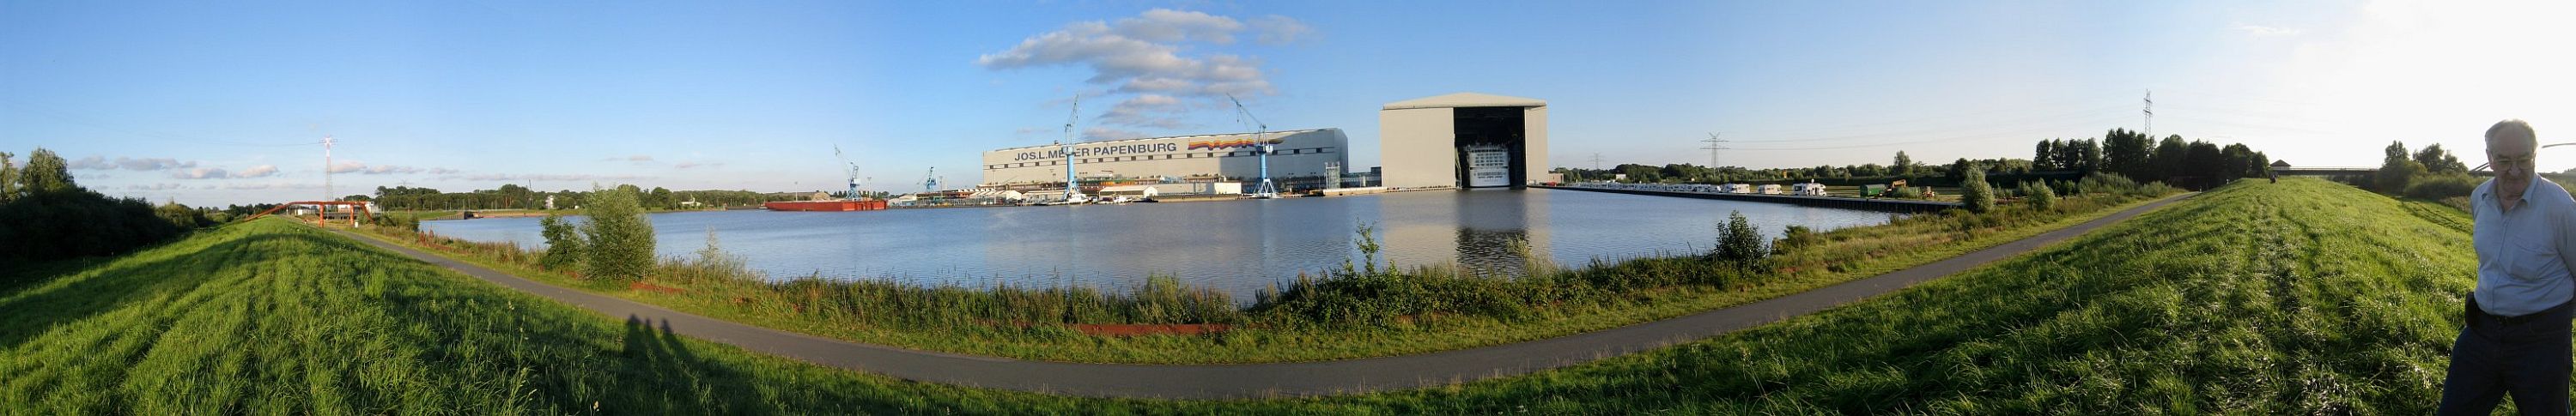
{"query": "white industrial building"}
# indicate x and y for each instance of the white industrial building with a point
(1463, 140)
(1298, 156)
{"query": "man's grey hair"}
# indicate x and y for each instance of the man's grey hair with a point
(2516, 130)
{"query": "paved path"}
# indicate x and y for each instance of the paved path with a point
(1274, 379)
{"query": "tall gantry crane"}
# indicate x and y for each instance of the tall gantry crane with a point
(1266, 189)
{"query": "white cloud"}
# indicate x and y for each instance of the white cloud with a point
(158, 163)
(2266, 31)
(201, 173)
(155, 187)
(364, 168)
(632, 158)
(143, 164)
(91, 163)
(687, 165)
(260, 171)
(1144, 56)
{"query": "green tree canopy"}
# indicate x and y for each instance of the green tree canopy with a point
(2438, 161)
(620, 239)
(46, 172)
(8, 177)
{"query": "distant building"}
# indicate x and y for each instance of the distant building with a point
(1463, 140)
(1298, 156)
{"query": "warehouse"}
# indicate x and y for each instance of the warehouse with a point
(1300, 159)
(1463, 140)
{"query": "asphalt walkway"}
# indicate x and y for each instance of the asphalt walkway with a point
(1271, 379)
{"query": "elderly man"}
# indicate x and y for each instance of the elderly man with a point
(2516, 339)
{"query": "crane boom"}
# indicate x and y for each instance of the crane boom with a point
(853, 168)
(1266, 189)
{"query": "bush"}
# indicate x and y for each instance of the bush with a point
(1738, 242)
(620, 239)
(1974, 194)
(2397, 176)
(563, 243)
(1905, 192)
(182, 216)
(1795, 238)
(2109, 183)
(2041, 197)
(2443, 186)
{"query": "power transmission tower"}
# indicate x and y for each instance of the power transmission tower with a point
(2150, 110)
(326, 169)
(1596, 161)
(1714, 144)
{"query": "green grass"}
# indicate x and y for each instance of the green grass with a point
(2298, 297)
(1410, 311)
(2303, 297)
(272, 317)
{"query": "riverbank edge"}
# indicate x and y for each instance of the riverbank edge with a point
(1311, 344)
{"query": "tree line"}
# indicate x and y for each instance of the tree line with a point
(2429, 173)
(2193, 164)
(513, 196)
(46, 215)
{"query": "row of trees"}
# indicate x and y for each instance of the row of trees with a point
(46, 215)
(2430, 173)
(2068, 154)
(513, 196)
(2191, 164)
(2195, 164)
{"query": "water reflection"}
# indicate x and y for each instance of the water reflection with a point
(1236, 246)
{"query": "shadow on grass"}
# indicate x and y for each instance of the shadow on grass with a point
(657, 363)
(20, 275)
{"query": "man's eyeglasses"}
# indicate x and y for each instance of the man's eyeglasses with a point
(2523, 162)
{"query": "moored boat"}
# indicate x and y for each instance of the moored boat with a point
(833, 205)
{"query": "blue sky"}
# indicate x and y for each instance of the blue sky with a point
(219, 103)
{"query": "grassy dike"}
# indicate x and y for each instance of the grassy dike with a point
(1350, 315)
(272, 317)
(2302, 297)
(2298, 297)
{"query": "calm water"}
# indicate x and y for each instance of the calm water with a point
(1237, 246)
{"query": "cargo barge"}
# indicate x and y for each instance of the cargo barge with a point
(836, 205)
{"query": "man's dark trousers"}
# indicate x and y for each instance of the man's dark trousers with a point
(2527, 356)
